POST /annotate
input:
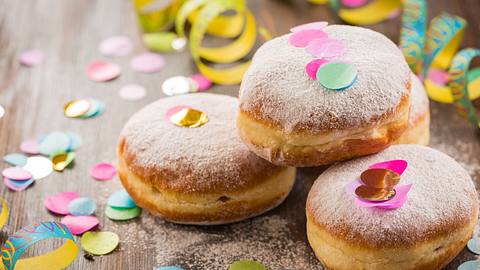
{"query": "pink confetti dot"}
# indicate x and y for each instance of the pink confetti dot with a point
(147, 63)
(58, 203)
(302, 38)
(116, 46)
(174, 110)
(30, 147)
(309, 26)
(313, 66)
(31, 58)
(17, 185)
(353, 3)
(17, 173)
(203, 82)
(397, 165)
(132, 92)
(103, 171)
(80, 224)
(102, 71)
(326, 48)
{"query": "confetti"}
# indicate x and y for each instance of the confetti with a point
(132, 92)
(203, 83)
(169, 268)
(99, 243)
(40, 167)
(313, 66)
(58, 203)
(30, 147)
(76, 108)
(186, 117)
(380, 178)
(122, 213)
(147, 63)
(336, 76)
(247, 265)
(121, 199)
(102, 71)
(2, 111)
(353, 3)
(469, 265)
(116, 46)
(103, 171)
(54, 141)
(31, 58)
(17, 173)
(326, 48)
(97, 108)
(178, 85)
(82, 207)
(15, 159)
(61, 160)
(305, 37)
(397, 165)
(472, 244)
(80, 224)
(309, 26)
(75, 141)
(17, 185)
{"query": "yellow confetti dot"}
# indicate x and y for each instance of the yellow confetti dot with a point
(76, 108)
(99, 243)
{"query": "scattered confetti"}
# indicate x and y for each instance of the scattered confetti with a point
(186, 117)
(82, 207)
(62, 160)
(31, 58)
(116, 46)
(203, 83)
(303, 38)
(247, 265)
(30, 147)
(178, 85)
(147, 63)
(472, 244)
(336, 76)
(97, 108)
(326, 48)
(58, 203)
(2, 111)
(17, 185)
(309, 26)
(75, 141)
(102, 71)
(132, 92)
(103, 171)
(121, 199)
(80, 224)
(169, 268)
(15, 159)
(353, 3)
(17, 173)
(122, 213)
(99, 243)
(40, 167)
(54, 141)
(469, 265)
(84, 108)
(313, 67)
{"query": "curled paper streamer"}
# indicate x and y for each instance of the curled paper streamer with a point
(21, 240)
(412, 33)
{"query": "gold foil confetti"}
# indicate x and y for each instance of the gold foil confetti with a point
(380, 178)
(62, 160)
(374, 194)
(187, 117)
(76, 108)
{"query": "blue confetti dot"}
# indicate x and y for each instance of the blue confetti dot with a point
(121, 199)
(82, 207)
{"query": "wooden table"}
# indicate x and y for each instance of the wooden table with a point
(69, 31)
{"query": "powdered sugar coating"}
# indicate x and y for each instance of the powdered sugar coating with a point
(208, 158)
(442, 198)
(277, 89)
(419, 103)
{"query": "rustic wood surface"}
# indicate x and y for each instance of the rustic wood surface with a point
(69, 31)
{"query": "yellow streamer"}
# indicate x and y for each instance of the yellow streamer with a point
(374, 12)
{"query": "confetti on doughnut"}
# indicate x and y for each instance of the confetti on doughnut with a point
(309, 26)
(30, 147)
(15, 159)
(203, 83)
(132, 92)
(103, 171)
(336, 76)
(326, 48)
(147, 63)
(121, 199)
(116, 46)
(58, 203)
(247, 265)
(31, 58)
(102, 71)
(302, 38)
(313, 66)
(17, 185)
(80, 224)
(40, 167)
(99, 243)
(17, 173)
(82, 206)
(183, 116)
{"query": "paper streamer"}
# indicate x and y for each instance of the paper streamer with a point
(413, 32)
(21, 240)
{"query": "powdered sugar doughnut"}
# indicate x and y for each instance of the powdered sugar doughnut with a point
(202, 175)
(418, 130)
(427, 232)
(289, 118)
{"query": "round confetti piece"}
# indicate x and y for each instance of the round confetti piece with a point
(30, 147)
(75, 141)
(178, 85)
(183, 116)
(473, 244)
(82, 207)
(40, 167)
(336, 76)
(58, 203)
(147, 63)
(132, 92)
(17, 173)
(247, 265)
(309, 26)
(103, 171)
(469, 265)
(80, 224)
(2, 111)
(15, 159)
(76, 108)
(313, 66)
(61, 160)
(353, 3)
(326, 47)
(203, 83)
(121, 199)
(169, 268)
(31, 58)
(102, 71)
(54, 141)
(116, 46)
(97, 108)
(122, 213)
(99, 243)
(17, 185)
(303, 38)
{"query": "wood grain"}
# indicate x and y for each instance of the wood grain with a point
(69, 31)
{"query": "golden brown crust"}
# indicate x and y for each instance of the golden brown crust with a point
(417, 132)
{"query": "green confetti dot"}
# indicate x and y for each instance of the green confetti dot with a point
(337, 75)
(122, 213)
(247, 265)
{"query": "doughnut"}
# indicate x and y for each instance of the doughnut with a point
(418, 130)
(426, 232)
(197, 175)
(290, 119)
